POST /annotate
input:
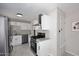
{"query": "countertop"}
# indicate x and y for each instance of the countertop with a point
(42, 39)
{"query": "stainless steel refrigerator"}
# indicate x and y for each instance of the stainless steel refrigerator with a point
(4, 36)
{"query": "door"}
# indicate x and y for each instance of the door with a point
(61, 33)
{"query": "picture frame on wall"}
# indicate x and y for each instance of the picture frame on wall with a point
(75, 26)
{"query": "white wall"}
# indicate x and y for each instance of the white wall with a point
(53, 32)
(72, 38)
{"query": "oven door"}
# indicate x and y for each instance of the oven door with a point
(34, 46)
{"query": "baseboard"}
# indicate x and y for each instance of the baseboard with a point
(72, 53)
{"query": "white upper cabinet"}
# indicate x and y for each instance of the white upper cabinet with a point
(45, 22)
(21, 25)
(49, 22)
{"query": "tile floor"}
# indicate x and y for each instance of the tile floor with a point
(22, 50)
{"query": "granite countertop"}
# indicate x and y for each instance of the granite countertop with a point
(42, 39)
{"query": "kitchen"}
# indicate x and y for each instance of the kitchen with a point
(34, 37)
(25, 35)
(32, 30)
(36, 29)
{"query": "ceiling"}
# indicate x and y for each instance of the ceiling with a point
(70, 9)
(31, 11)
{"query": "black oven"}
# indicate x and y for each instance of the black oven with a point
(34, 45)
(34, 39)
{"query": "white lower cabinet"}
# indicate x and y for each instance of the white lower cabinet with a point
(43, 48)
(16, 40)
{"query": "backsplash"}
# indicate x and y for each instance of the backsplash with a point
(20, 28)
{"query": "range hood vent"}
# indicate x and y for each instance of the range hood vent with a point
(37, 25)
(39, 20)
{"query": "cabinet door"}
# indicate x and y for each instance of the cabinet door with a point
(43, 48)
(45, 22)
(17, 40)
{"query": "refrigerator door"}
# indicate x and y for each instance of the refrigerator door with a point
(3, 36)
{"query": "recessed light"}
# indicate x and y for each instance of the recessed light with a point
(19, 15)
